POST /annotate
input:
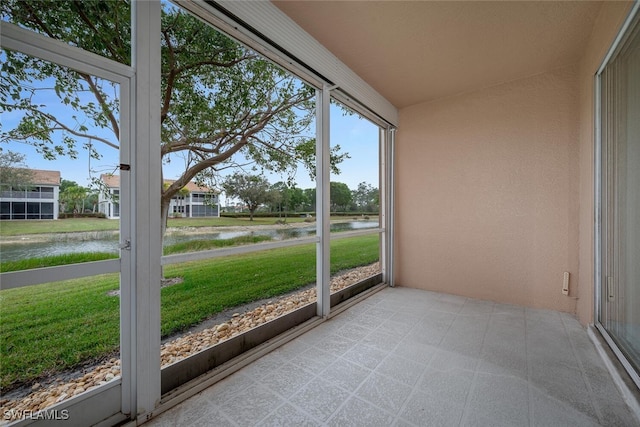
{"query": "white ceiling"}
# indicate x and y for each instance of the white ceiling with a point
(419, 51)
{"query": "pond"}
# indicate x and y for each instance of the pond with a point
(108, 241)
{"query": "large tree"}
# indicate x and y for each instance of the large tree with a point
(339, 196)
(309, 200)
(286, 197)
(72, 199)
(13, 171)
(366, 197)
(252, 190)
(219, 99)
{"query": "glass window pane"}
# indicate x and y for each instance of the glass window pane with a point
(77, 23)
(58, 350)
(19, 207)
(33, 207)
(50, 162)
(252, 124)
(62, 137)
(354, 198)
(620, 310)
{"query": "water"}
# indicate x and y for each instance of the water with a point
(108, 242)
(60, 244)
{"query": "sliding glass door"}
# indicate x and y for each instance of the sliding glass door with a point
(619, 293)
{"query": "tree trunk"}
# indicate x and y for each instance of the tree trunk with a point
(164, 212)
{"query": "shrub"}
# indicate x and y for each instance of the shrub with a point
(63, 215)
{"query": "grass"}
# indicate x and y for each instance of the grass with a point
(48, 328)
(45, 226)
(203, 245)
(50, 261)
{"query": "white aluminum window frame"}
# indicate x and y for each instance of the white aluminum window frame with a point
(111, 398)
(54, 51)
(599, 204)
(325, 91)
(138, 393)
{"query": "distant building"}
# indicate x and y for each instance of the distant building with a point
(109, 196)
(196, 202)
(37, 200)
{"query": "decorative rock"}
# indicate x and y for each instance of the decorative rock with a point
(43, 396)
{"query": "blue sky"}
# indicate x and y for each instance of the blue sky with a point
(355, 135)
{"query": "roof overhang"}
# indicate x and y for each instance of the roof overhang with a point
(418, 51)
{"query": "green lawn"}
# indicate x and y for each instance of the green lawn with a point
(48, 328)
(18, 228)
(54, 260)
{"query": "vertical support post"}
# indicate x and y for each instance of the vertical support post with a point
(390, 205)
(383, 196)
(146, 244)
(127, 295)
(323, 253)
(598, 205)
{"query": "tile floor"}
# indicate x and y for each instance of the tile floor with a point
(405, 357)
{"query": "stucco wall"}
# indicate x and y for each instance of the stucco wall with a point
(487, 192)
(495, 188)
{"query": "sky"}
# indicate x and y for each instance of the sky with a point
(357, 136)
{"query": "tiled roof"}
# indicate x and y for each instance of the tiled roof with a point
(190, 186)
(39, 177)
(113, 181)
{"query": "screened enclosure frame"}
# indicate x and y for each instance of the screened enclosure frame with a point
(138, 394)
(114, 396)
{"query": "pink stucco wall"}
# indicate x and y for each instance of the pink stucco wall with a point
(494, 187)
(487, 192)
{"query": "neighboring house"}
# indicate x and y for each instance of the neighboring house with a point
(194, 201)
(108, 198)
(37, 200)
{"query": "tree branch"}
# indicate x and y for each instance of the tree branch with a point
(80, 10)
(214, 63)
(199, 167)
(62, 126)
(185, 143)
(37, 20)
(96, 92)
(166, 102)
(206, 163)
